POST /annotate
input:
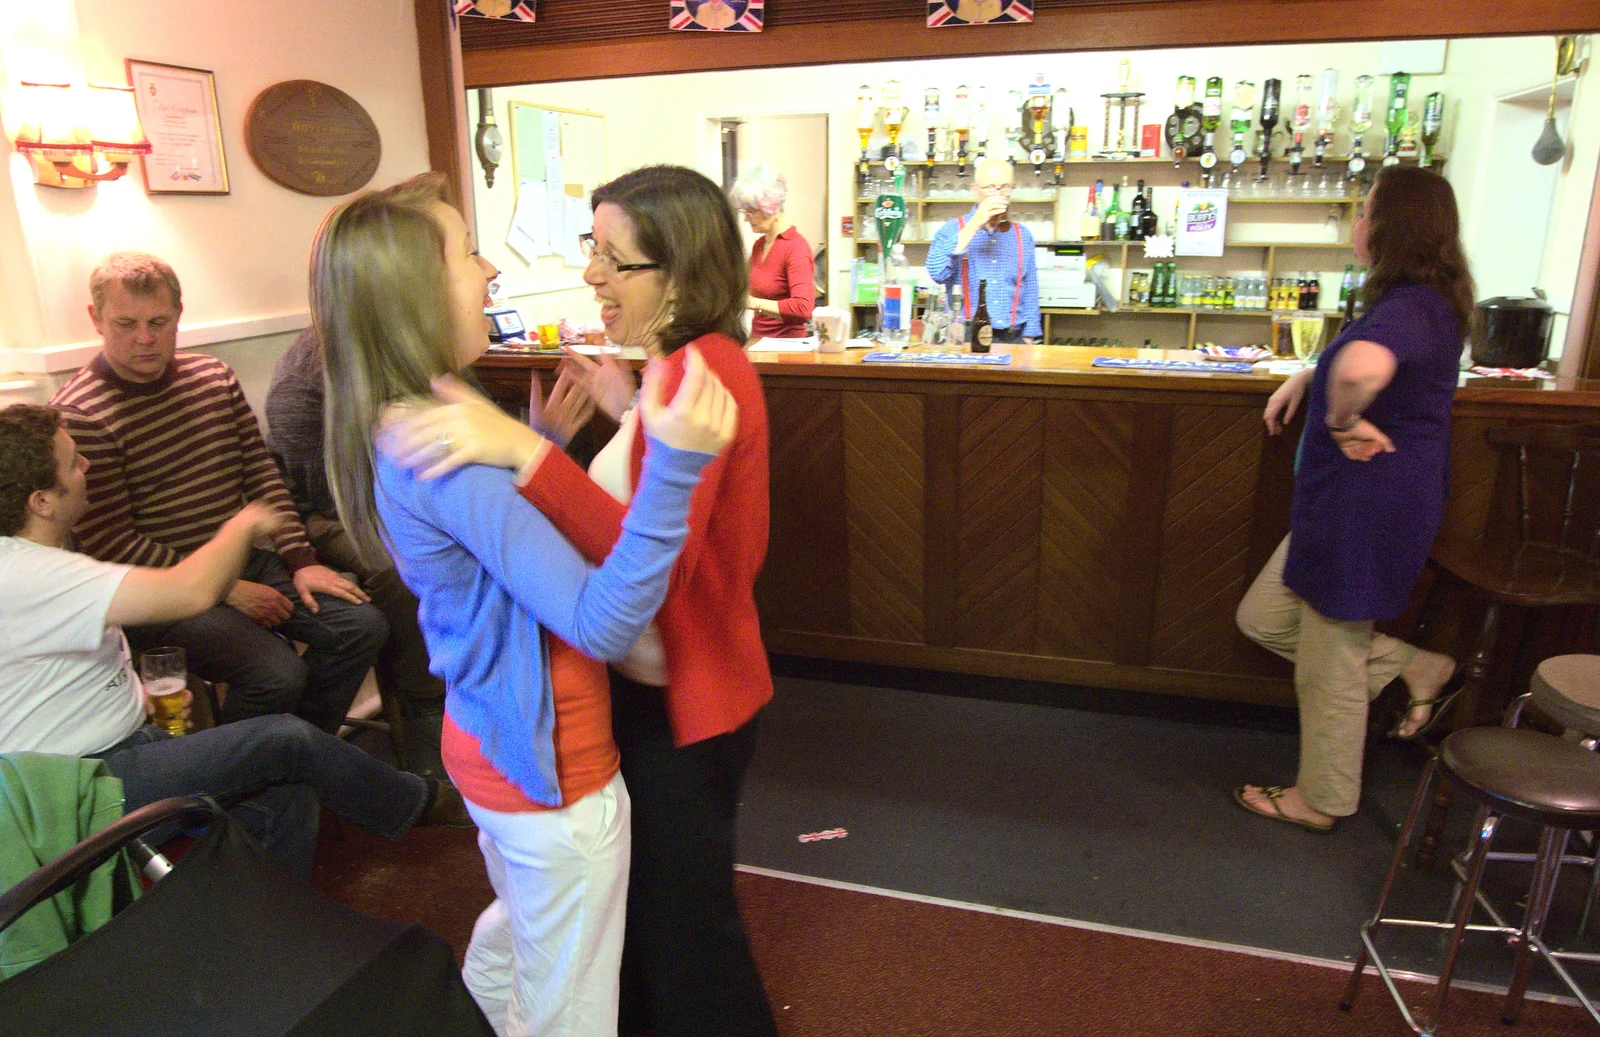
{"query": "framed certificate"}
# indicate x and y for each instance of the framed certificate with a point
(178, 109)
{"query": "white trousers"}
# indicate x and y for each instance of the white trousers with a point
(545, 956)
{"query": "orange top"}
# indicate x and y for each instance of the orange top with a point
(586, 755)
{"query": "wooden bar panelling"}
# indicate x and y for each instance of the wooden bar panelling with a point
(884, 493)
(1048, 521)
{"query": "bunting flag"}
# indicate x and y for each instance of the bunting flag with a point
(514, 10)
(942, 13)
(717, 15)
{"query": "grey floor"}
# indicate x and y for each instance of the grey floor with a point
(1110, 818)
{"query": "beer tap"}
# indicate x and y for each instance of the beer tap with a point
(1432, 123)
(894, 113)
(1183, 125)
(1210, 121)
(866, 115)
(1013, 124)
(961, 125)
(1271, 91)
(1360, 122)
(1395, 120)
(1244, 104)
(1300, 121)
(1327, 113)
(930, 118)
(980, 128)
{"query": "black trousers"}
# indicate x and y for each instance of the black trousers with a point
(1009, 335)
(686, 965)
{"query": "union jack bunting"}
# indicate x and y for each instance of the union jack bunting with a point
(515, 10)
(717, 15)
(978, 12)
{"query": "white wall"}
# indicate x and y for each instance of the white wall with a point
(668, 119)
(241, 256)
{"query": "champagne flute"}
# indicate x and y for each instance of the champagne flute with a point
(165, 674)
(1307, 335)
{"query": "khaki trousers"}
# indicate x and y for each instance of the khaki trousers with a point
(1339, 668)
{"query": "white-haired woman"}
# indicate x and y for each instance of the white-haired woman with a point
(782, 279)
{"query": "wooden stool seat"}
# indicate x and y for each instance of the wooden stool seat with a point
(1566, 688)
(1524, 575)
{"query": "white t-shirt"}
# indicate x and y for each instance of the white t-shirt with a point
(66, 680)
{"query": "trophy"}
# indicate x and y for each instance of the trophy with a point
(1327, 113)
(1395, 120)
(1210, 120)
(1360, 122)
(894, 113)
(961, 125)
(1271, 91)
(866, 115)
(930, 119)
(1432, 123)
(1183, 125)
(1244, 103)
(1122, 97)
(1300, 121)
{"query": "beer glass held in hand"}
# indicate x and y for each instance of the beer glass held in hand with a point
(165, 675)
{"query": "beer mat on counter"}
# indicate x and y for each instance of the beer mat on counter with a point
(808, 344)
(1512, 372)
(985, 359)
(1233, 352)
(1198, 366)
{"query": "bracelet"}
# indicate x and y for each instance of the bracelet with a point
(1342, 428)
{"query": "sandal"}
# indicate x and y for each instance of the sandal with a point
(1440, 703)
(1273, 794)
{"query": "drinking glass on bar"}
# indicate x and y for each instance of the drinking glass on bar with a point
(1307, 333)
(165, 674)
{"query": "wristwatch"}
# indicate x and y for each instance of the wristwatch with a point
(1342, 428)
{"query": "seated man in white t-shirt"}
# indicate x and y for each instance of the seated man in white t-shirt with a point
(67, 684)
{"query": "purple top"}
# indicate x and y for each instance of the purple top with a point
(1360, 531)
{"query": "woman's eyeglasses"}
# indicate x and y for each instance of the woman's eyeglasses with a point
(587, 247)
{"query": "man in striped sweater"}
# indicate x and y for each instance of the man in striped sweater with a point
(174, 451)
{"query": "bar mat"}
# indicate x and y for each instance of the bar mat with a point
(990, 359)
(1199, 366)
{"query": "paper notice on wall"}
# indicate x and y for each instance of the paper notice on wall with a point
(579, 221)
(529, 236)
(1202, 221)
(555, 207)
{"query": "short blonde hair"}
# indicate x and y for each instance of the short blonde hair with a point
(762, 188)
(138, 272)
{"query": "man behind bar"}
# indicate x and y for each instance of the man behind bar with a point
(985, 245)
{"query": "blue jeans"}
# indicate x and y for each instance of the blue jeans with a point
(262, 670)
(271, 773)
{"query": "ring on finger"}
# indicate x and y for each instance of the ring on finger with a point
(446, 441)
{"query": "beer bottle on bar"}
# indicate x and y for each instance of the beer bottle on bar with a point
(981, 333)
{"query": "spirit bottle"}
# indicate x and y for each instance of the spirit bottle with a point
(1089, 222)
(1210, 121)
(1300, 120)
(1149, 223)
(1120, 218)
(930, 120)
(961, 125)
(1360, 122)
(866, 115)
(1347, 283)
(1244, 103)
(1136, 215)
(1271, 92)
(1395, 121)
(1432, 122)
(1327, 112)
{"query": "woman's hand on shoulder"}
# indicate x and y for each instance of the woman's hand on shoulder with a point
(1363, 442)
(455, 427)
(702, 415)
(1285, 400)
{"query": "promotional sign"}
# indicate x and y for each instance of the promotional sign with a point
(1202, 221)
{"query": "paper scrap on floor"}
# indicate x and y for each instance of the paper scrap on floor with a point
(785, 345)
(832, 833)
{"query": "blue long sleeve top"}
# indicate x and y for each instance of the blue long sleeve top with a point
(991, 256)
(491, 573)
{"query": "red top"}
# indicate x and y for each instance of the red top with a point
(786, 275)
(716, 664)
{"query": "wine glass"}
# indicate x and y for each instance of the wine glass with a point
(1307, 335)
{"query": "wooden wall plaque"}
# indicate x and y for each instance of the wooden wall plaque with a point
(312, 138)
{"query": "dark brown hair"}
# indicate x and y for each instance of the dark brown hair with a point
(1414, 237)
(684, 222)
(27, 460)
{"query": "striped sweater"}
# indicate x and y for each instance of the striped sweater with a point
(170, 461)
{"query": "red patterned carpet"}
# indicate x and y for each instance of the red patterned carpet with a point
(841, 963)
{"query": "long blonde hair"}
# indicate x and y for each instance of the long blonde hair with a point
(381, 307)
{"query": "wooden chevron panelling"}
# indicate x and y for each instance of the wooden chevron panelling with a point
(884, 479)
(1205, 541)
(1089, 454)
(999, 467)
(803, 585)
(1474, 466)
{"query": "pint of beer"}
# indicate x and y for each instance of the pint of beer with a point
(165, 674)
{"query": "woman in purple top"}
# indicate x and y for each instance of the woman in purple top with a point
(1369, 494)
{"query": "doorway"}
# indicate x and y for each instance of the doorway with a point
(797, 147)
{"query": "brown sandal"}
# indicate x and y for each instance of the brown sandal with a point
(1273, 794)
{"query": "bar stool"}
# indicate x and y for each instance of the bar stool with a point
(1511, 772)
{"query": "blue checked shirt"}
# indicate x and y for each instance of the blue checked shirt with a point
(992, 257)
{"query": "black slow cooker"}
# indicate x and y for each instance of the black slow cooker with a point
(1513, 331)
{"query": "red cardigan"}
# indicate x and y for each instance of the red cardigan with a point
(787, 275)
(717, 669)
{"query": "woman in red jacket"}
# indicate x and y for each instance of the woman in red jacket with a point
(667, 266)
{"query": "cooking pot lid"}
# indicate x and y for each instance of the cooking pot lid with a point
(1510, 302)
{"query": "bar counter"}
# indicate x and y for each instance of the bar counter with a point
(1047, 519)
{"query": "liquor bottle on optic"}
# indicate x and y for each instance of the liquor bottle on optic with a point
(1122, 220)
(980, 333)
